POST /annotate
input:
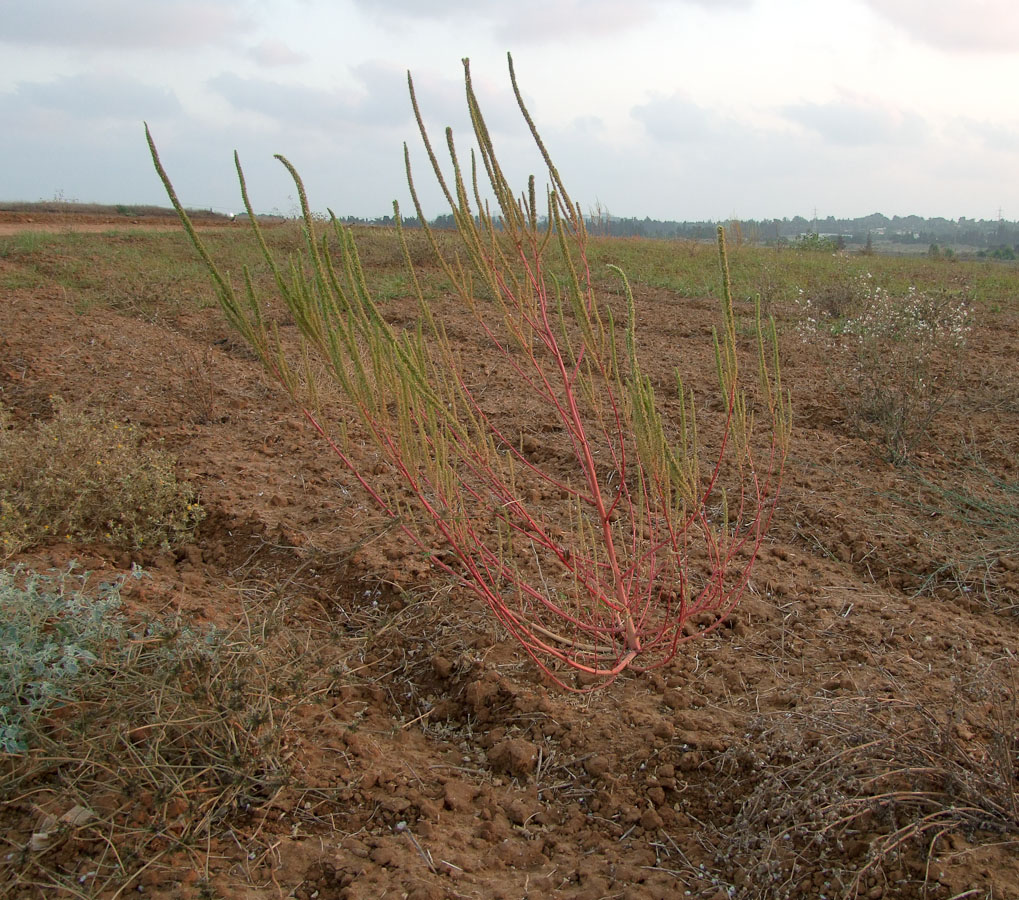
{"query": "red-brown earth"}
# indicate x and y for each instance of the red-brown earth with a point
(833, 741)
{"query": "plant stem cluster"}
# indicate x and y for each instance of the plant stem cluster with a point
(597, 560)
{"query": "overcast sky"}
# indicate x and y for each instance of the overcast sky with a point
(674, 109)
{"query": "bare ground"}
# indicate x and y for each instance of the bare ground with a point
(849, 734)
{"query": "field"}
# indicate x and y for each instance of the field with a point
(354, 725)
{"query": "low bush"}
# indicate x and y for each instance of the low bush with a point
(875, 791)
(51, 633)
(83, 477)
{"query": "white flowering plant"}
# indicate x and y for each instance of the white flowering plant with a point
(897, 358)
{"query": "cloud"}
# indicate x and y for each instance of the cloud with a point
(992, 135)
(537, 21)
(381, 101)
(676, 118)
(695, 164)
(123, 23)
(96, 97)
(288, 104)
(385, 99)
(270, 53)
(977, 25)
(851, 123)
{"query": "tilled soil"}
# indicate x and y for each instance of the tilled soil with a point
(835, 739)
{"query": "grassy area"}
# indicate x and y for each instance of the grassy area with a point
(152, 272)
(156, 273)
(778, 274)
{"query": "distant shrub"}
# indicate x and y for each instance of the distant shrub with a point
(81, 476)
(828, 304)
(817, 243)
(1002, 252)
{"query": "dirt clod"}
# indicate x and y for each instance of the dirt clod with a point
(514, 756)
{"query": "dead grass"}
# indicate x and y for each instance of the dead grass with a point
(174, 734)
(870, 792)
(197, 383)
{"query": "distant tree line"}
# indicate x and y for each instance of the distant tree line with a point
(997, 236)
(878, 228)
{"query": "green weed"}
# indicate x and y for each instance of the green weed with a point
(51, 633)
(614, 588)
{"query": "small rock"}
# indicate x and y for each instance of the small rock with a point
(519, 812)
(663, 729)
(480, 696)
(395, 804)
(675, 699)
(963, 732)
(354, 847)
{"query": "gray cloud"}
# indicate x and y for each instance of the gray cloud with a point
(123, 23)
(385, 98)
(286, 103)
(697, 172)
(676, 118)
(111, 164)
(854, 124)
(722, 4)
(951, 25)
(96, 97)
(381, 100)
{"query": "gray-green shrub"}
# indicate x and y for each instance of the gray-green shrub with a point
(52, 629)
